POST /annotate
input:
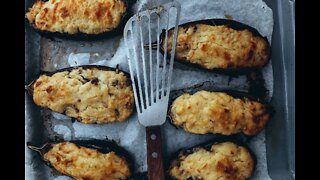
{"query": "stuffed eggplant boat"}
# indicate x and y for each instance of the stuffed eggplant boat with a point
(219, 44)
(218, 113)
(223, 160)
(90, 94)
(81, 18)
(94, 160)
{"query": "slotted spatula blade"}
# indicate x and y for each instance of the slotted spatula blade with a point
(151, 73)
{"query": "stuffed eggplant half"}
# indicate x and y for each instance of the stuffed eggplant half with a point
(219, 44)
(218, 113)
(90, 94)
(81, 18)
(214, 161)
(94, 160)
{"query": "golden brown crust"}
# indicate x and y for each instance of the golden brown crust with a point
(89, 95)
(217, 112)
(219, 47)
(70, 16)
(226, 161)
(83, 163)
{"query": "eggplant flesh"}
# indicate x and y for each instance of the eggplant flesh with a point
(89, 20)
(220, 45)
(89, 94)
(87, 159)
(224, 158)
(203, 110)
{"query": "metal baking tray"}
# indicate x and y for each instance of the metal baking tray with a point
(280, 132)
(43, 54)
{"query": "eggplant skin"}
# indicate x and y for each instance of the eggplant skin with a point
(225, 160)
(89, 94)
(220, 44)
(80, 162)
(74, 17)
(218, 113)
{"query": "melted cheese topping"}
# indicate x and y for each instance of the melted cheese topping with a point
(83, 163)
(89, 95)
(219, 47)
(217, 112)
(224, 161)
(73, 16)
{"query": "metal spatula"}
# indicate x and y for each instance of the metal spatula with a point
(151, 74)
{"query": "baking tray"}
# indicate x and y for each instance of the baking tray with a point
(279, 132)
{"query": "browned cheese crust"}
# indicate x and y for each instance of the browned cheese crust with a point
(82, 163)
(218, 113)
(73, 16)
(224, 161)
(219, 47)
(89, 95)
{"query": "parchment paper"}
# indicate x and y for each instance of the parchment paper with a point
(60, 53)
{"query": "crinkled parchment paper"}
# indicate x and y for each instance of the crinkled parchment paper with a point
(130, 134)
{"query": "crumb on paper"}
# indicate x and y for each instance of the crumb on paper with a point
(59, 116)
(77, 59)
(227, 16)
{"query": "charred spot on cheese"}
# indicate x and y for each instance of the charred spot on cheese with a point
(220, 44)
(81, 162)
(218, 113)
(73, 17)
(225, 160)
(84, 92)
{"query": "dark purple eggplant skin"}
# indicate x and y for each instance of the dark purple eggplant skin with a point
(103, 146)
(29, 87)
(229, 23)
(105, 68)
(100, 67)
(88, 37)
(207, 146)
(216, 22)
(209, 86)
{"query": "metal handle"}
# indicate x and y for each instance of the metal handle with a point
(154, 153)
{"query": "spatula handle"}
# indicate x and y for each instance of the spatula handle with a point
(154, 153)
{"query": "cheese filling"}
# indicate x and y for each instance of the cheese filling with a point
(217, 112)
(219, 47)
(83, 163)
(74, 16)
(89, 95)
